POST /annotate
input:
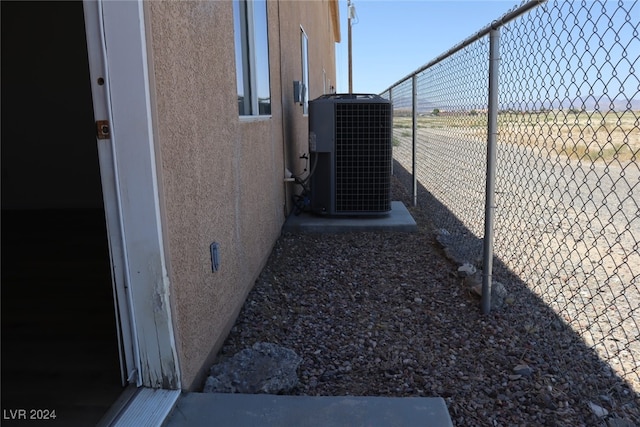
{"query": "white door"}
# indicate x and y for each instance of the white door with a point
(116, 41)
(102, 111)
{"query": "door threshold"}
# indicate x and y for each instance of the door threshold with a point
(118, 406)
(139, 406)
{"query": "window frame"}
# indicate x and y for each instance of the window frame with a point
(250, 107)
(304, 55)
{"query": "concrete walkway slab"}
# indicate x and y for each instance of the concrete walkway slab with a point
(398, 219)
(265, 410)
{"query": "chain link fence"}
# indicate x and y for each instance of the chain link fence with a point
(567, 181)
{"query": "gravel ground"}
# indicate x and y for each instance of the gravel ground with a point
(568, 226)
(386, 314)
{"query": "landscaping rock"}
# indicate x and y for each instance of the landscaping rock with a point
(498, 292)
(524, 370)
(466, 269)
(265, 368)
(597, 410)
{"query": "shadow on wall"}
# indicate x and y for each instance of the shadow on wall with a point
(568, 372)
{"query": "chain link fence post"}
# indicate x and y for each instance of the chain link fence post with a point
(390, 91)
(492, 136)
(414, 135)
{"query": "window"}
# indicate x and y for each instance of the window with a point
(304, 49)
(252, 57)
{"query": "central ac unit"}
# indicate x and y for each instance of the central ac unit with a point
(350, 146)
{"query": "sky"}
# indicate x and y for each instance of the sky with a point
(391, 39)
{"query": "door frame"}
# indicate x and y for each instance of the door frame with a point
(116, 42)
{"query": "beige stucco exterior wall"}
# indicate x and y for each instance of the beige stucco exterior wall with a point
(314, 17)
(222, 176)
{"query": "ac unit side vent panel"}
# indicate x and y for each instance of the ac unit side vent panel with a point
(363, 157)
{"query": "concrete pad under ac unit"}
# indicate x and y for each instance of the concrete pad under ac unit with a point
(398, 219)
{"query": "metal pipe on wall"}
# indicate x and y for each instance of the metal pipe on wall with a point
(349, 48)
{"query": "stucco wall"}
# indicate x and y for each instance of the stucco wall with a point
(315, 18)
(222, 176)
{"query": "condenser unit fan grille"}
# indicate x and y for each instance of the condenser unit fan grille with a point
(363, 157)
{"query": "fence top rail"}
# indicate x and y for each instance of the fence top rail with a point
(507, 17)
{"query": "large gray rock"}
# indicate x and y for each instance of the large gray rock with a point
(460, 247)
(498, 290)
(265, 368)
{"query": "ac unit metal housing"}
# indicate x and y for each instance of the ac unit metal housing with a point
(351, 154)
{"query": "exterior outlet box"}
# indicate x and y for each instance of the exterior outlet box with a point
(215, 256)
